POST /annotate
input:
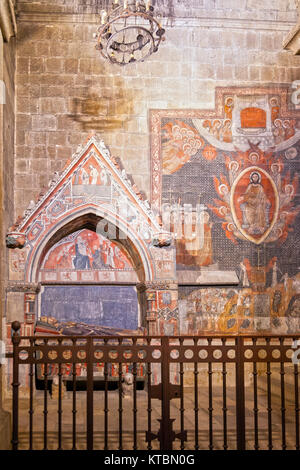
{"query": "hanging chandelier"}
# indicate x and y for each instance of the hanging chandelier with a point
(129, 32)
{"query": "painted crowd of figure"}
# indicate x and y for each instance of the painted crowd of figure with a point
(89, 174)
(87, 250)
(276, 309)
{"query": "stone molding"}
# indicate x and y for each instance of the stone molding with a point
(201, 22)
(8, 25)
(292, 41)
(159, 285)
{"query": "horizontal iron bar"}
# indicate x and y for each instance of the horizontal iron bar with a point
(172, 338)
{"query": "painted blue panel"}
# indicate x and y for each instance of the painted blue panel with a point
(114, 306)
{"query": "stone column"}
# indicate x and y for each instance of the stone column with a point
(7, 52)
(147, 304)
(21, 304)
(161, 307)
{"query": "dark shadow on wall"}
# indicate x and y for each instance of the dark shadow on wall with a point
(109, 110)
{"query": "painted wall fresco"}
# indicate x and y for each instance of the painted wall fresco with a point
(92, 183)
(241, 310)
(124, 243)
(92, 188)
(228, 181)
(87, 256)
(224, 185)
(113, 306)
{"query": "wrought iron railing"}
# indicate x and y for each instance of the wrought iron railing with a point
(219, 392)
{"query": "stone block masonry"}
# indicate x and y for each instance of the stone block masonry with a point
(65, 91)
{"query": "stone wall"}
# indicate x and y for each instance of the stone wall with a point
(65, 91)
(7, 130)
(283, 10)
(7, 133)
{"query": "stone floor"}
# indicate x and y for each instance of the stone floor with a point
(189, 419)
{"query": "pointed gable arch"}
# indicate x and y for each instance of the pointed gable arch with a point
(91, 190)
(89, 216)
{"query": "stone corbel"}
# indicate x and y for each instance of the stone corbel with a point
(8, 24)
(162, 239)
(151, 291)
(15, 240)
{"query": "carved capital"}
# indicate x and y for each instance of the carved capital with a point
(161, 285)
(27, 287)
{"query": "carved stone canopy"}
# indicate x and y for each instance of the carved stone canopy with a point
(92, 192)
(105, 182)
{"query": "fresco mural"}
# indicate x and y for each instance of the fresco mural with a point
(112, 306)
(257, 202)
(86, 255)
(92, 180)
(226, 181)
(224, 215)
(242, 310)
